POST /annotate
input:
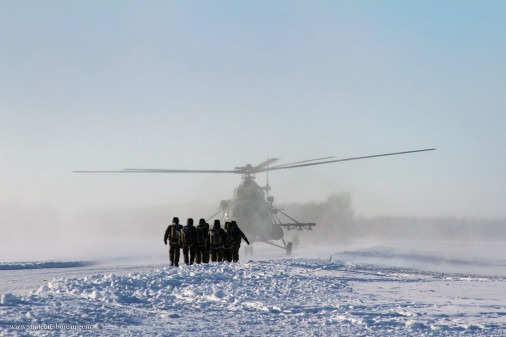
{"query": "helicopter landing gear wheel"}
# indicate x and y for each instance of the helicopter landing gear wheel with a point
(288, 248)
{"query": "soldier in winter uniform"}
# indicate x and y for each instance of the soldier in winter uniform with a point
(172, 234)
(236, 234)
(202, 252)
(188, 241)
(227, 244)
(206, 255)
(215, 241)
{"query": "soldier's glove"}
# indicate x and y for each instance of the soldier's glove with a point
(165, 243)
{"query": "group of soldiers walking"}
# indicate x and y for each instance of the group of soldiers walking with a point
(201, 243)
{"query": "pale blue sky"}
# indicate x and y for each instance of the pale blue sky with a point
(214, 85)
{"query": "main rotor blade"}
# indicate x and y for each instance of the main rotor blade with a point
(346, 159)
(258, 168)
(264, 164)
(179, 171)
(303, 161)
(160, 171)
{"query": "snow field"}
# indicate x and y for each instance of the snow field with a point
(292, 297)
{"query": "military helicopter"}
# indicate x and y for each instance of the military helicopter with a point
(251, 206)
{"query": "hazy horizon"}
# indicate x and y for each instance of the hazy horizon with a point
(43, 233)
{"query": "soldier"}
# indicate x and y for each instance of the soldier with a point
(172, 233)
(227, 244)
(188, 240)
(236, 235)
(215, 241)
(202, 254)
(205, 257)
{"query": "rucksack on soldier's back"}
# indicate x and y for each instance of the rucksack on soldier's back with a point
(215, 237)
(201, 239)
(228, 239)
(188, 238)
(174, 233)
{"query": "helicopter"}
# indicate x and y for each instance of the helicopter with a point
(251, 205)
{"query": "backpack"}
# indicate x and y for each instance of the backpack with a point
(215, 237)
(205, 229)
(201, 238)
(174, 233)
(187, 237)
(228, 239)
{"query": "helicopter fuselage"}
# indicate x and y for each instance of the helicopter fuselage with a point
(252, 212)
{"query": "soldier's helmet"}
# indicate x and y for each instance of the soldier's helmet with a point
(175, 219)
(202, 222)
(190, 222)
(217, 224)
(233, 224)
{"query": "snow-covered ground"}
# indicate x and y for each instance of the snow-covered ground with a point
(361, 290)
